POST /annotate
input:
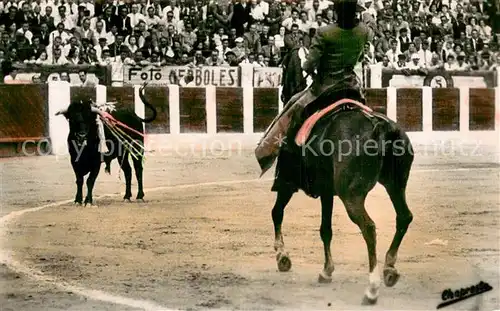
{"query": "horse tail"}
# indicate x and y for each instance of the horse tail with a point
(397, 150)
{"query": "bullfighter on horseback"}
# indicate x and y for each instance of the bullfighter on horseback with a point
(335, 114)
(333, 54)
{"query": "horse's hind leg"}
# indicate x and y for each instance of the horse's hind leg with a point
(403, 220)
(355, 205)
(326, 236)
(282, 199)
(394, 178)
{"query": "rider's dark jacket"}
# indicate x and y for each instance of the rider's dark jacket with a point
(332, 56)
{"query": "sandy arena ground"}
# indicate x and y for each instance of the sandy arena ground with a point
(211, 245)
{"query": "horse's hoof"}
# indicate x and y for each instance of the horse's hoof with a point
(77, 203)
(368, 301)
(391, 277)
(284, 262)
(324, 279)
(141, 201)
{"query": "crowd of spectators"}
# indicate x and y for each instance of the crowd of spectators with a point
(449, 34)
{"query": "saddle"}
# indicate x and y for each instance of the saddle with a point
(332, 109)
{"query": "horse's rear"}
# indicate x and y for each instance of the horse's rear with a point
(346, 154)
(365, 148)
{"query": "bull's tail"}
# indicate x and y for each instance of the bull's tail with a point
(147, 104)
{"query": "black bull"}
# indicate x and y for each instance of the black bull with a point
(346, 154)
(83, 145)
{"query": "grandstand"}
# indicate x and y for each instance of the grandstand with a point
(425, 35)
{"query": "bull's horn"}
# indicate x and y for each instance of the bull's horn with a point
(95, 110)
(62, 111)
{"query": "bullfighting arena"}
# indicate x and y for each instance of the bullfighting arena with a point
(204, 237)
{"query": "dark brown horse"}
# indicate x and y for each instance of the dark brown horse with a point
(348, 151)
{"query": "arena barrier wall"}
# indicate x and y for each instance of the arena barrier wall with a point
(23, 117)
(235, 117)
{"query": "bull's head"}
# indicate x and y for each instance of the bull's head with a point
(82, 122)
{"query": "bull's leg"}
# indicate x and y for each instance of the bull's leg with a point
(403, 220)
(127, 171)
(138, 174)
(90, 184)
(107, 162)
(326, 236)
(79, 189)
(282, 199)
(355, 205)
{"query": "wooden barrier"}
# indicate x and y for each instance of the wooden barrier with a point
(482, 109)
(123, 96)
(192, 110)
(409, 109)
(229, 101)
(445, 109)
(82, 93)
(23, 118)
(159, 98)
(265, 107)
(24, 110)
(377, 100)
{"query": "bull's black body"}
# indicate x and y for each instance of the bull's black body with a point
(83, 144)
(118, 151)
(385, 156)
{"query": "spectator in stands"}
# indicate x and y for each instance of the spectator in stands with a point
(171, 32)
(239, 50)
(9, 71)
(415, 65)
(436, 63)
(279, 38)
(401, 63)
(393, 53)
(73, 57)
(64, 76)
(42, 59)
(496, 64)
(37, 78)
(450, 63)
(231, 59)
(252, 39)
(214, 59)
(461, 65)
(84, 79)
(425, 54)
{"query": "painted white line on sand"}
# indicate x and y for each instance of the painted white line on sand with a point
(464, 169)
(7, 258)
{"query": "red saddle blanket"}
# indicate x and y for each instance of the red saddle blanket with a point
(306, 128)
